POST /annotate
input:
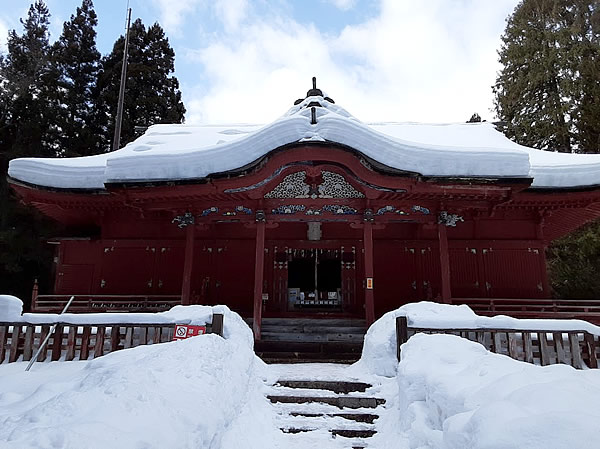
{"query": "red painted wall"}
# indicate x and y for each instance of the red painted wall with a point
(406, 263)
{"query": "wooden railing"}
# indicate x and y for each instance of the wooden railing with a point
(543, 347)
(584, 309)
(104, 303)
(20, 340)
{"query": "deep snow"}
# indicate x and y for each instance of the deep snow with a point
(175, 152)
(193, 393)
(456, 395)
(209, 392)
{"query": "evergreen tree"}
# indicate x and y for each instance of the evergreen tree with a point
(77, 61)
(529, 92)
(152, 93)
(574, 263)
(547, 91)
(475, 118)
(584, 58)
(27, 89)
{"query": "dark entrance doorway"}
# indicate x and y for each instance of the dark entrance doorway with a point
(315, 280)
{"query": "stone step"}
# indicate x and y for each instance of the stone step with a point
(367, 418)
(335, 386)
(351, 433)
(310, 357)
(310, 337)
(313, 329)
(300, 359)
(331, 347)
(321, 422)
(347, 433)
(339, 401)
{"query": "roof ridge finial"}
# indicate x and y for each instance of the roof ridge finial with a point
(314, 92)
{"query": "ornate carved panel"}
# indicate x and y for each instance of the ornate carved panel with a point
(333, 185)
(292, 186)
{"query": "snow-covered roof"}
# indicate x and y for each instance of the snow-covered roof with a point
(180, 152)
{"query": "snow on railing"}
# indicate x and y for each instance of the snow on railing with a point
(79, 341)
(578, 348)
(538, 308)
(105, 303)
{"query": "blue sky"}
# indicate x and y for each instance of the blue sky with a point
(248, 60)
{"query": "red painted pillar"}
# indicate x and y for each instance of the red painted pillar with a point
(444, 263)
(369, 297)
(258, 278)
(188, 264)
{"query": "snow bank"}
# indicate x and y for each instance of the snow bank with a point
(195, 393)
(456, 395)
(11, 308)
(379, 350)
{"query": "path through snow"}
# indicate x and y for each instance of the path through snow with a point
(327, 425)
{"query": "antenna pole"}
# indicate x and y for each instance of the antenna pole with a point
(117, 138)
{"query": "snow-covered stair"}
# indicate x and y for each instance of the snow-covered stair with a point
(326, 413)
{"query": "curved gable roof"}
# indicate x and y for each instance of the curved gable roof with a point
(183, 152)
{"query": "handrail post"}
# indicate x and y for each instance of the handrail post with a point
(34, 295)
(590, 348)
(401, 334)
(217, 324)
(45, 342)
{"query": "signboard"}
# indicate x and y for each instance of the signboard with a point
(183, 331)
(369, 283)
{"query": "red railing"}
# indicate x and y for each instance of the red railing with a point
(19, 341)
(104, 303)
(583, 309)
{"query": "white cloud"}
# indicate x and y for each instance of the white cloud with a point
(344, 5)
(231, 12)
(3, 36)
(421, 61)
(174, 12)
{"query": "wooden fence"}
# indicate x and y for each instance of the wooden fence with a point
(20, 341)
(577, 348)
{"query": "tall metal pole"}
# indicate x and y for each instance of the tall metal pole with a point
(117, 138)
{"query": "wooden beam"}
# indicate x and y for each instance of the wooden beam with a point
(217, 324)
(188, 265)
(401, 335)
(444, 263)
(258, 278)
(369, 296)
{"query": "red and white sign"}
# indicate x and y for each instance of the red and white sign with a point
(369, 283)
(183, 331)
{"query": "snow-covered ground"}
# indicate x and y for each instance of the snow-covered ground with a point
(456, 395)
(210, 392)
(176, 152)
(195, 393)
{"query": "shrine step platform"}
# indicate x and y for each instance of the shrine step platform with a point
(300, 340)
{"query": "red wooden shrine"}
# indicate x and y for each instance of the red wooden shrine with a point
(304, 231)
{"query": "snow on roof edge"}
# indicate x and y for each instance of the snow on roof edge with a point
(187, 152)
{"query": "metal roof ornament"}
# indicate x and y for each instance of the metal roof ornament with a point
(314, 92)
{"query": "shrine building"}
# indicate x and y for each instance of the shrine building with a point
(314, 215)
